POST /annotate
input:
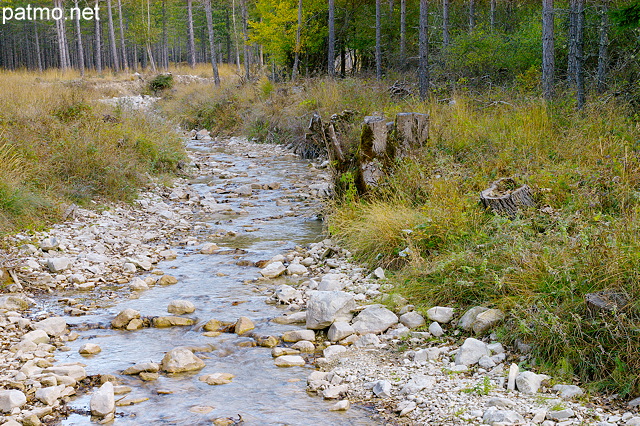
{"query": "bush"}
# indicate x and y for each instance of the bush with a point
(161, 82)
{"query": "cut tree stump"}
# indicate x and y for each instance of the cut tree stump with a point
(505, 197)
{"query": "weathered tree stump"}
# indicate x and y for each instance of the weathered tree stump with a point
(505, 197)
(608, 301)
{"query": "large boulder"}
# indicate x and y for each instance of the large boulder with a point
(58, 264)
(179, 360)
(180, 307)
(374, 319)
(529, 382)
(123, 318)
(54, 326)
(471, 351)
(103, 401)
(486, 320)
(440, 314)
(10, 399)
(466, 322)
(412, 319)
(273, 270)
(15, 303)
(339, 330)
(326, 307)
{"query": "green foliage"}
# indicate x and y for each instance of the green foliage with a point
(482, 388)
(161, 82)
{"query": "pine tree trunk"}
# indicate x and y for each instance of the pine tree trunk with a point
(98, 50)
(296, 59)
(245, 32)
(423, 51)
(472, 14)
(548, 49)
(62, 41)
(235, 35)
(165, 38)
(38, 50)
(125, 62)
(148, 42)
(572, 59)
(580, 94)
(191, 42)
(212, 43)
(445, 23)
(331, 57)
(112, 38)
(403, 34)
(492, 17)
(378, 41)
(79, 41)
(603, 54)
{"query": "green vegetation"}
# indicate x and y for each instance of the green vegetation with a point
(59, 145)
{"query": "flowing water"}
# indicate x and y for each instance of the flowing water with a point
(260, 393)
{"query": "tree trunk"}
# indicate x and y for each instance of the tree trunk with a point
(149, 50)
(423, 51)
(112, 38)
(98, 52)
(125, 62)
(79, 42)
(603, 56)
(572, 59)
(63, 49)
(235, 35)
(548, 49)
(212, 42)
(38, 50)
(331, 57)
(245, 32)
(445, 23)
(472, 14)
(403, 34)
(296, 59)
(580, 55)
(504, 197)
(378, 41)
(165, 38)
(191, 42)
(492, 16)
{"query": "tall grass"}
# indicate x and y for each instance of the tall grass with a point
(58, 145)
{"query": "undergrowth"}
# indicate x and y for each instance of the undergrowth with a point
(59, 145)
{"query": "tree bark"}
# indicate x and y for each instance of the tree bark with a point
(504, 197)
(403, 34)
(296, 59)
(245, 31)
(572, 59)
(331, 56)
(79, 42)
(112, 38)
(149, 50)
(191, 42)
(98, 52)
(492, 15)
(235, 34)
(38, 50)
(603, 54)
(125, 62)
(548, 49)
(445, 23)
(63, 48)
(165, 37)
(212, 43)
(378, 40)
(580, 94)
(472, 14)
(423, 51)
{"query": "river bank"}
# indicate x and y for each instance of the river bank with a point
(209, 241)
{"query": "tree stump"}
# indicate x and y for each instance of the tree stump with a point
(504, 197)
(608, 301)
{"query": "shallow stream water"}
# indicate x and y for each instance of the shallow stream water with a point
(260, 393)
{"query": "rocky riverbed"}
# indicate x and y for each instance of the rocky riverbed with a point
(207, 302)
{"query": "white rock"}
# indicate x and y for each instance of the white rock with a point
(440, 314)
(417, 383)
(568, 391)
(379, 273)
(412, 319)
(513, 373)
(286, 294)
(500, 402)
(296, 268)
(334, 392)
(209, 248)
(15, 303)
(382, 389)
(560, 415)
(138, 284)
(469, 317)
(102, 401)
(50, 243)
(77, 372)
(633, 421)
(179, 360)
(49, 395)
(304, 346)
(180, 307)
(36, 336)
(54, 326)
(405, 407)
(290, 361)
(339, 330)
(298, 335)
(273, 270)
(332, 282)
(10, 399)
(343, 405)
(429, 354)
(495, 415)
(436, 329)
(58, 264)
(529, 382)
(333, 350)
(486, 362)
(486, 320)
(89, 349)
(470, 352)
(366, 341)
(374, 319)
(326, 307)
(244, 190)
